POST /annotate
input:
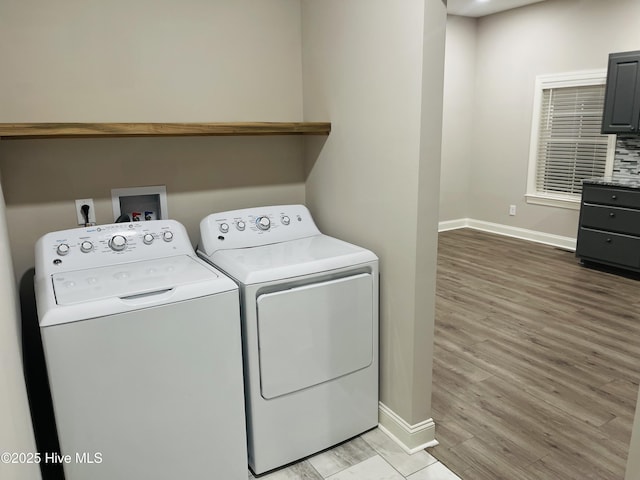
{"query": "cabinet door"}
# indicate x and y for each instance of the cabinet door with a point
(610, 248)
(618, 197)
(622, 97)
(611, 219)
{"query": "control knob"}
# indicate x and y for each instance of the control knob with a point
(285, 220)
(86, 246)
(147, 239)
(240, 225)
(167, 236)
(224, 227)
(118, 243)
(263, 223)
(62, 249)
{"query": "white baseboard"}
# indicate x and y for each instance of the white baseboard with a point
(453, 224)
(568, 243)
(411, 438)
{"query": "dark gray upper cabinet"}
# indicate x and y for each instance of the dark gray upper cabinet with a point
(622, 97)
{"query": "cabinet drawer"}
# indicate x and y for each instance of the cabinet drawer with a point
(611, 196)
(615, 219)
(612, 248)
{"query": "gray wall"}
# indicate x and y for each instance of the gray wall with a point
(513, 47)
(378, 78)
(457, 117)
(633, 461)
(151, 61)
(155, 61)
(41, 179)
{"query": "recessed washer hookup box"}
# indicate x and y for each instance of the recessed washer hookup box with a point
(140, 203)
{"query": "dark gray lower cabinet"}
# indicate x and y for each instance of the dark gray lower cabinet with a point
(609, 230)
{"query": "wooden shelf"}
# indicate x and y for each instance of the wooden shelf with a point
(16, 131)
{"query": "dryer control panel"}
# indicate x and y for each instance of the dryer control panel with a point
(252, 227)
(101, 245)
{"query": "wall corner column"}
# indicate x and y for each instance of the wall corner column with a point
(16, 431)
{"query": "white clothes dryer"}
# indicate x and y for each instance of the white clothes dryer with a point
(309, 308)
(143, 351)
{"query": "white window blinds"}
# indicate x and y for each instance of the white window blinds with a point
(570, 146)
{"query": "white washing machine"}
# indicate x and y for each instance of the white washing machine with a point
(309, 307)
(143, 352)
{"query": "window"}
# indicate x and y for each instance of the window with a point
(566, 143)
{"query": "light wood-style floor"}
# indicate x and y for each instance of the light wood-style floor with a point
(536, 364)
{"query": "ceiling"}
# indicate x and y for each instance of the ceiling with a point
(480, 8)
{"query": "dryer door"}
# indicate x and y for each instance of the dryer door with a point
(315, 333)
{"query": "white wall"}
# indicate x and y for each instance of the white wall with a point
(16, 434)
(374, 68)
(457, 117)
(513, 47)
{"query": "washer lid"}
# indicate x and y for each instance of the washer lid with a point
(294, 258)
(128, 280)
(97, 292)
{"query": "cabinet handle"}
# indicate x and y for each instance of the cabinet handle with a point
(612, 215)
(608, 240)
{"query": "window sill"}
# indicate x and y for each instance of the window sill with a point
(558, 201)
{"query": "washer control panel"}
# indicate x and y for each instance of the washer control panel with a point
(252, 227)
(100, 245)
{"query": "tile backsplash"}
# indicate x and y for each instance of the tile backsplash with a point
(627, 161)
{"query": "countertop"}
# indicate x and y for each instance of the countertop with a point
(614, 182)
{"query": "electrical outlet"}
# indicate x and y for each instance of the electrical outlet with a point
(80, 215)
(512, 210)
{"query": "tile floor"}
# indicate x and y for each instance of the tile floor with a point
(371, 456)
